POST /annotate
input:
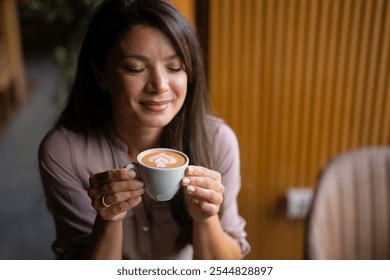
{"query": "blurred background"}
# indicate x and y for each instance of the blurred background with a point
(299, 81)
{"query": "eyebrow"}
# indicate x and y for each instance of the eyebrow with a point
(145, 58)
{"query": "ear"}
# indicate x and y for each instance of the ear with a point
(97, 72)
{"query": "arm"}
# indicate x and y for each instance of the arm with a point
(83, 229)
(218, 233)
(212, 242)
(121, 192)
(205, 196)
(105, 241)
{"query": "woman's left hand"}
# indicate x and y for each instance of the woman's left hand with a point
(204, 192)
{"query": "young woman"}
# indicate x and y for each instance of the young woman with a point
(140, 84)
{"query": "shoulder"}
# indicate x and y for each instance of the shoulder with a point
(225, 145)
(62, 140)
(224, 137)
(221, 130)
(56, 141)
(59, 141)
(56, 149)
(82, 153)
(55, 157)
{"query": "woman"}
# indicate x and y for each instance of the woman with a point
(140, 84)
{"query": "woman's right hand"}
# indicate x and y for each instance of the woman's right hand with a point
(119, 189)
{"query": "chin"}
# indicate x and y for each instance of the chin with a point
(159, 122)
(158, 119)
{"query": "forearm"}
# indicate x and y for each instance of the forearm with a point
(210, 241)
(105, 241)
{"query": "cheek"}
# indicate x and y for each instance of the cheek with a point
(181, 85)
(123, 90)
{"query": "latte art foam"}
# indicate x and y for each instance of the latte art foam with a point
(163, 159)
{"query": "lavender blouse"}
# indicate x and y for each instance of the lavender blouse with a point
(67, 160)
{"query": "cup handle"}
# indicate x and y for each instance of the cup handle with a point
(133, 166)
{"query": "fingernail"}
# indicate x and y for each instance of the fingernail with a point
(139, 183)
(141, 191)
(186, 180)
(190, 170)
(195, 200)
(131, 173)
(190, 189)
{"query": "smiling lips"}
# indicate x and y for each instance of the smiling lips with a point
(155, 106)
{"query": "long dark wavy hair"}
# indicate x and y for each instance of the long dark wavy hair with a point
(88, 107)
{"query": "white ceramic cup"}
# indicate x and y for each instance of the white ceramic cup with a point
(161, 177)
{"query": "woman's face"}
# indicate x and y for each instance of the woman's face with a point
(145, 78)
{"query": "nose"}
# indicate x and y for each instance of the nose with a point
(158, 82)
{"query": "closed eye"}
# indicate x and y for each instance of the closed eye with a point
(135, 70)
(174, 69)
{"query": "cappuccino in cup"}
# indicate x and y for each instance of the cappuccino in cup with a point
(162, 158)
(161, 170)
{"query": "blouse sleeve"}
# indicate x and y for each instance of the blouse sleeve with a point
(228, 164)
(66, 194)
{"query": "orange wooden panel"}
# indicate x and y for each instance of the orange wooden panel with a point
(187, 7)
(299, 81)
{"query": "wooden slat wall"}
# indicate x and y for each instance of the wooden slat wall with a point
(187, 7)
(299, 81)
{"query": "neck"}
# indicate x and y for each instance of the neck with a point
(138, 138)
